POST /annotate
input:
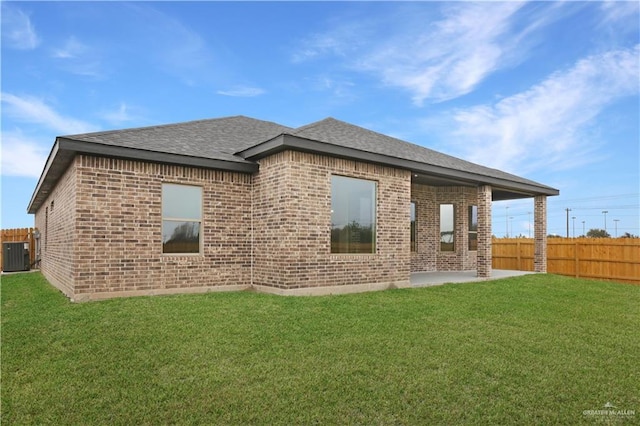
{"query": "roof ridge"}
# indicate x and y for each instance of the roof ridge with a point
(314, 124)
(169, 125)
(432, 152)
(311, 125)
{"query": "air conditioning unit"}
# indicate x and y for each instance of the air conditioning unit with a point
(15, 257)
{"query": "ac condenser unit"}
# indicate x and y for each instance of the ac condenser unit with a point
(15, 257)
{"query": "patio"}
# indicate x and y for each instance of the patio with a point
(426, 279)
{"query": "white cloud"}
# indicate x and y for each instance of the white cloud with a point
(78, 58)
(17, 30)
(546, 125)
(71, 49)
(339, 88)
(450, 57)
(616, 11)
(175, 46)
(242, 92)
(435, 55)
(21, 156)
(33, 110)
(124, 113)
(343, 40)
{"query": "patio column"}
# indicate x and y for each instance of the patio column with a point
(484, 232)
(540, 234)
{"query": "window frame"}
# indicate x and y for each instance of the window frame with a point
(470, 230)
(374, 217)
(413, 240)
(46, 227)
(199, 221)
(450, 247)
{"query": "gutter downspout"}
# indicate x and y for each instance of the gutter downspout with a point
(252, 232)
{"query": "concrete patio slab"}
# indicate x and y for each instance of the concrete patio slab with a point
(426, 279)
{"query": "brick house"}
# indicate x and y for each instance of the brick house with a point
(236, 203)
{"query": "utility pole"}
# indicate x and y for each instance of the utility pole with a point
(506, 220)
(616, 221)
(529, 213)
(583, 232)
(604, 212)
(574, 226)
(568, 210)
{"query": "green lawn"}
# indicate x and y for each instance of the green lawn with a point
(529, 350)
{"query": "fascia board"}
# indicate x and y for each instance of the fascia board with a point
(285, 141)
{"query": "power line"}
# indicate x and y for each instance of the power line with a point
(600, 197)
(626, 207)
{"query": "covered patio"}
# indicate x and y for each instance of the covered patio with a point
(451, 230)
(428, 279)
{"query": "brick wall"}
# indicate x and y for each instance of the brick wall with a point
(461, 197)
(484, 255)
(119, 229)
(103, 228)
(427, 229)
(292, 218)
(540, 234)
(428, 256)
(56, 222)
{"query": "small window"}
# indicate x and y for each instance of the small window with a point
(353, 215)
(447, 232)
(413, 226)
(46, 227)
(473, 228)
(181, 218)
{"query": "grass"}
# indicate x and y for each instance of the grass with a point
(529, 350)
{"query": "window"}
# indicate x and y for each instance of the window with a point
(473, 228)
(353, 215)
(46, 227)
(413, 226)
(446, 227)
(181, 218)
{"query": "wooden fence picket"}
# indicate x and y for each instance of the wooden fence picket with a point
(616, 259)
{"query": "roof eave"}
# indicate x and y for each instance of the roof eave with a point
(39, 190)
(65, 149)
(287, 141)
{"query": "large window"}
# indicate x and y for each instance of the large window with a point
(181, 218)
(447, 222)
(413, 226)
(473, 228)
(353, 215)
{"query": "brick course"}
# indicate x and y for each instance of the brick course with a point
(428, 256)
(540, 234)
(56, 222)
(113, 221)
(270, 230)
(292, 219)
(423, 259)
(484, 256)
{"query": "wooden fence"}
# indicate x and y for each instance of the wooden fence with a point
(616, 259)
(19, 235)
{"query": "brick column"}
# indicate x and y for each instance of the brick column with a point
(484, 231)
(540, 234)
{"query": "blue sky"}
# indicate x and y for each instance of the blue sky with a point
(545, 90)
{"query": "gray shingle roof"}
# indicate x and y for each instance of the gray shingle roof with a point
(232, 142)
(340, 133)
(217, 138)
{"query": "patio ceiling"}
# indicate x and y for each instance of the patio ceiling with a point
(499, 193)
